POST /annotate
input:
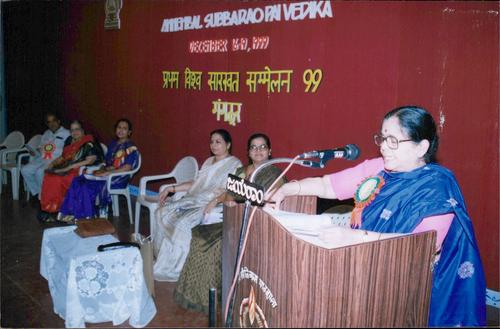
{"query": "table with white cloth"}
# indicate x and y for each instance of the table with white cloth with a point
(91, 286)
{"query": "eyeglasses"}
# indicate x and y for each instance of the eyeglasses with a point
(392, 142)
(261, 147)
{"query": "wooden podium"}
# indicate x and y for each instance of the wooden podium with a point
(287, 282)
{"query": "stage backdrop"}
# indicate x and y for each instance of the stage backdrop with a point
(312, 75)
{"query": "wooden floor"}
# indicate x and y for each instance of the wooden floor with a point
(25, 298)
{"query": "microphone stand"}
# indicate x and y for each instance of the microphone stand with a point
(244, 224)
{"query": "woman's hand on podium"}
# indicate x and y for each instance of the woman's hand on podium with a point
(274, 199)
(288, 189)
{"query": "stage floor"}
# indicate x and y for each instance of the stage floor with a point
(25, 297)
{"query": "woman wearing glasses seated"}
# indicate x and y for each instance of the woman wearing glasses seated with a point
(405, 191)
(206, 245)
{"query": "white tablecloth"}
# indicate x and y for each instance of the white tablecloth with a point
(91, 286)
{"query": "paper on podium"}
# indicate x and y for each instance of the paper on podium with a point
(325, 230)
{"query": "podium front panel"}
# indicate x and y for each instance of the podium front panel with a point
(287, 282)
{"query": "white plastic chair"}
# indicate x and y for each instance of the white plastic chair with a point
(115, 192)
(104, 148)
(33, 143)
(184, 171)
(11, 146)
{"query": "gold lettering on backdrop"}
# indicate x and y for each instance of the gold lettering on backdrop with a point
(274, 80)
(229, 111)
(264, 77)
(170, 79)
(279, 82)
(252, 81)
(224, 81)
(192, 79)
(312, 79)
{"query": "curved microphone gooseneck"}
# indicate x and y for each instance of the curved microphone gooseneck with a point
(350, 152)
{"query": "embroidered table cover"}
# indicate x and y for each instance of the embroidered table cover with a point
(91, 286)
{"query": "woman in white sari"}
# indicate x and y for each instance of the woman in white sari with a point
(175, 219)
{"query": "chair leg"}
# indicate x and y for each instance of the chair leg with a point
(151, 222)
(26, 190)
(15, 184)
(116, 206)
(1, 180)
(137, 217)
(129, 205)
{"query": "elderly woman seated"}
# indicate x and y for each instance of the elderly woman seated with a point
(79, 150)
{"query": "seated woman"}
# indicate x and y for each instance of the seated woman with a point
(122, 155)
(175, 219)
(405, 191)
(79, 150)
(192, 288)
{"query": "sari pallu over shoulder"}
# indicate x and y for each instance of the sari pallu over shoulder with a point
(175, 220)
(459, 288)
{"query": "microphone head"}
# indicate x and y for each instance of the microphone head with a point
(352, 152)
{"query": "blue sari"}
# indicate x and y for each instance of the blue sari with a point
(80, 200)
(459, 289)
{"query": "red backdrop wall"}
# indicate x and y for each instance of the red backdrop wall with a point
(374, 56)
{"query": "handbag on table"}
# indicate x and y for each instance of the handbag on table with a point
(93, 227)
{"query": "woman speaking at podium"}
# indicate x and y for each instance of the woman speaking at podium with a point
(405, 191)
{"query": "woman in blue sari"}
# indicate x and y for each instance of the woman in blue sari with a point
(80, 200)
(405, 191)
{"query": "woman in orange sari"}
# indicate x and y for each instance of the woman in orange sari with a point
(79, 150)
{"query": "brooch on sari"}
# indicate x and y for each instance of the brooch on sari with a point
(121, 154)
(364, 195)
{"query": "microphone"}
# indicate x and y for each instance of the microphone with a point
(349, 152)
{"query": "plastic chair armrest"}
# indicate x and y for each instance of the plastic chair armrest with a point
(144, 180)
(110, 177)
(89, 169)
(9, 151)
(177, 195)
(20, 159)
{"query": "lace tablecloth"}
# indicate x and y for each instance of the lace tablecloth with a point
(91, 286)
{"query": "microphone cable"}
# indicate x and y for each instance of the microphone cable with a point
(230, 297)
